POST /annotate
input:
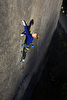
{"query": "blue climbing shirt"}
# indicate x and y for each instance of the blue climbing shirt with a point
(29, 37)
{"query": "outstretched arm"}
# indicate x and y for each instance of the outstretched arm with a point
(26, 30)
(22, 34)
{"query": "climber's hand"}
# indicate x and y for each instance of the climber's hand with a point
(22, 34)
(23, 22)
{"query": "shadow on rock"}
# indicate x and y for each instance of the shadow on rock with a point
(53, 82)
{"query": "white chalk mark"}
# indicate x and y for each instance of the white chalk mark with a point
(44, 10)
(42, 20)
(29, 8)
(24, 13)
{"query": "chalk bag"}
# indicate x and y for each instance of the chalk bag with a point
(32, 45)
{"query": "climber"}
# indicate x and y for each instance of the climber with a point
(30, 38)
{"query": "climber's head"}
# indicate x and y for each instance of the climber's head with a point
(35, 35)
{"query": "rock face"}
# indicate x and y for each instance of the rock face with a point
(45, 14)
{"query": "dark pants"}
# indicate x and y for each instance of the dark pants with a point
(24, 52)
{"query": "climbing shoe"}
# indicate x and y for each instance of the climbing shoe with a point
(22, 61)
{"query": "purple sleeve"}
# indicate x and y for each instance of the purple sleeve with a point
(26, 30)
(24, 33)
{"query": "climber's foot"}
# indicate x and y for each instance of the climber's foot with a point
(22, 61)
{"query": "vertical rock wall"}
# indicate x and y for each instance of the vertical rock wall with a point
(45, 14)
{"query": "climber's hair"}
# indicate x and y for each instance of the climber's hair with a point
(37, 37)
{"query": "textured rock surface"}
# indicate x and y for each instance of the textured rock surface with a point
(45, 14)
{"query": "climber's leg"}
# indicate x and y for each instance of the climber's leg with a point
(24, 53)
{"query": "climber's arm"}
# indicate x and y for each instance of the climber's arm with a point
(24, 33)
(26, 30)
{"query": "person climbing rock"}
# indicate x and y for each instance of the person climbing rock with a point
(30, 38)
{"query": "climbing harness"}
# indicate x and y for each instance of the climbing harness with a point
(27, 47)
